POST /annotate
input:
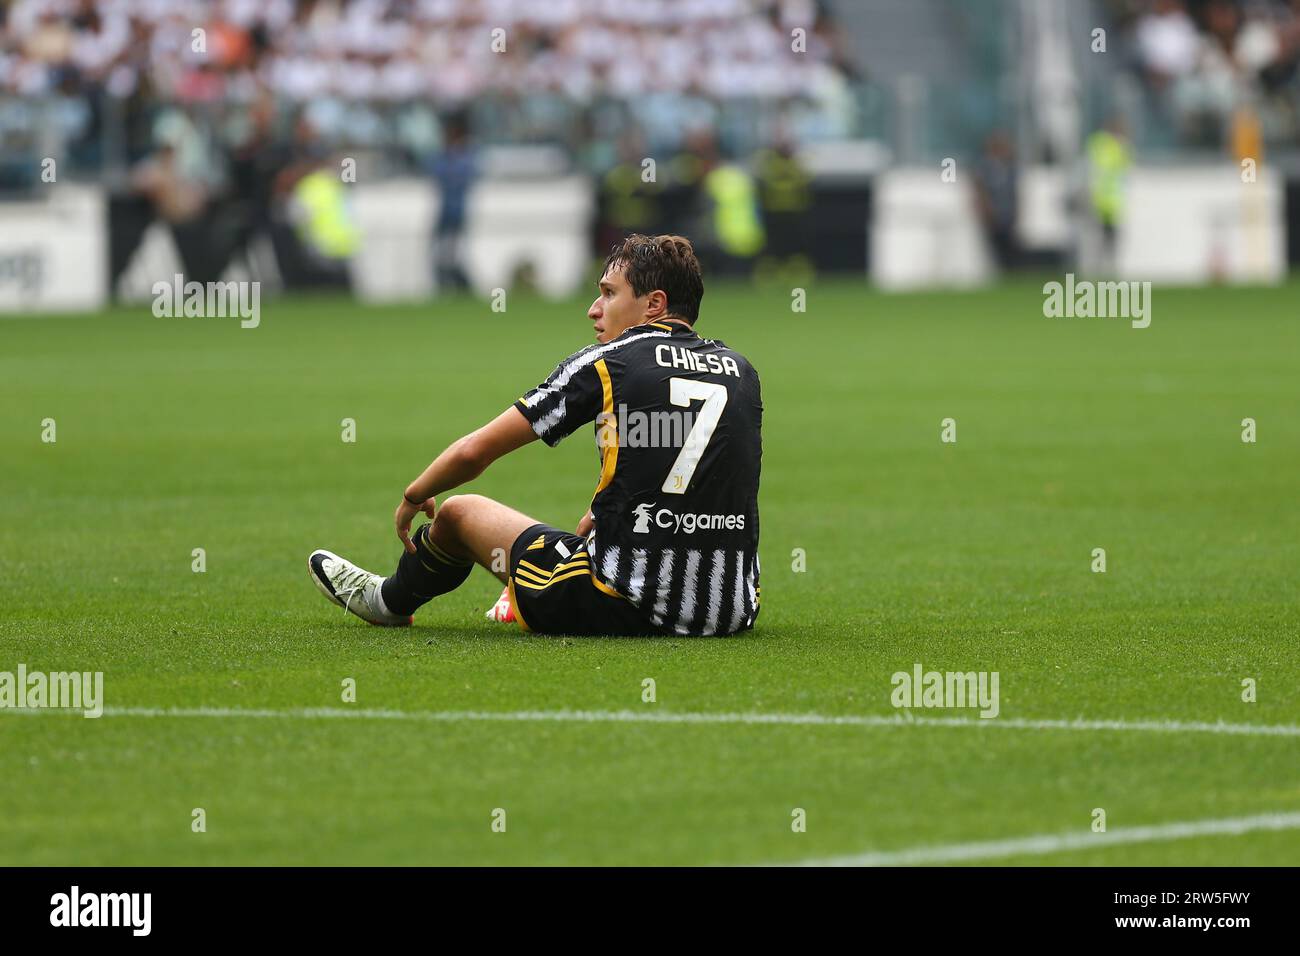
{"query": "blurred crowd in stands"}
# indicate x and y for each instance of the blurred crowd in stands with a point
(220, 118)
(227, 119)
(1209, 66)
(398, 49)
(368, 71)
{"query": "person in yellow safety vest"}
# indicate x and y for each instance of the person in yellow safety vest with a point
(629, 199)
(324, 223)
(631, 193)
(736, 225)
(785, 197)
(1109, 160)
(1108, 165)
(685, 169)
(783, 181)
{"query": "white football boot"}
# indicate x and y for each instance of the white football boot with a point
(502, 612)
(353, 589)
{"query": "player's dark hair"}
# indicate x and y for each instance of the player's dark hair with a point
(666, 263)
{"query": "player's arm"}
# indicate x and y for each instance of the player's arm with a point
(463, 460)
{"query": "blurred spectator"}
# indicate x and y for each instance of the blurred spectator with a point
(312, 226)
(1168, 41)
(255, 161)
(728, 232)
(996, 184)
(454, 169)
(785, 200)
(172, 180)
(629, 195)
(1109, 160)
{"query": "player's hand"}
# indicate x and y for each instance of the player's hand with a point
(405, 514)
(585, 525)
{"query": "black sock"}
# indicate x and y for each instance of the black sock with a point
(422, 576)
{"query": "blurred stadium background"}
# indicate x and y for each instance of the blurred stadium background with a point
(402, 148)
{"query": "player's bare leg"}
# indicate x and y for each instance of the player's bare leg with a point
(479, 529)
(483, 530)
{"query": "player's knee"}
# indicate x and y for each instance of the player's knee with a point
(456, 509)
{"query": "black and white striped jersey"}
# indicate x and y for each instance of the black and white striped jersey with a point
(678, 423)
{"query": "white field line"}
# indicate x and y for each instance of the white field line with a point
(952, 853)
(1062, 842)
(669, 717)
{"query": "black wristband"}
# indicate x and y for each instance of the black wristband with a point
(413, 504)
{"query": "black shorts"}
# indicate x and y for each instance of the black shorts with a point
(553, 590)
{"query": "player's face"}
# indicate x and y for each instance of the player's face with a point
(616, 309)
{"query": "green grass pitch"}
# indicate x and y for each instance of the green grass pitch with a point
(1072, 434)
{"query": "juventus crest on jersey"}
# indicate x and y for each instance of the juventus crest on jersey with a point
(678, 423)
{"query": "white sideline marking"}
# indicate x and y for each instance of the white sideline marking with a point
(667, 717)
(1061, 842)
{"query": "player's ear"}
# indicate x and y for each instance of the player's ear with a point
(656, 304)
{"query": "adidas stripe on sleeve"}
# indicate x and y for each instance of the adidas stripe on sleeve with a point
(569, 398)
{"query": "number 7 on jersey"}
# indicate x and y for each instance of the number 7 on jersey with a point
(683, 391)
